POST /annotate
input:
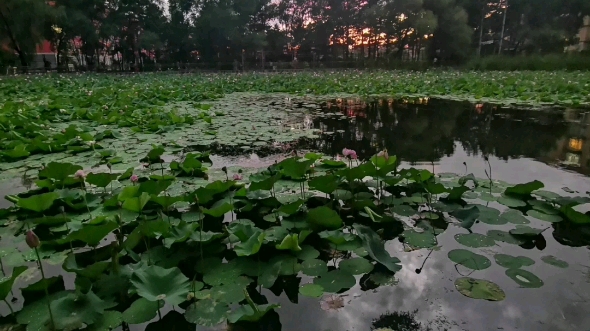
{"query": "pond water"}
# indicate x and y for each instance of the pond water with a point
(521, 145)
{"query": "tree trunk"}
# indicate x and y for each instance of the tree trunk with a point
(21, 55)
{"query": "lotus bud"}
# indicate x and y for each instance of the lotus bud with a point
(224, 169)
(80, 174)
(32, 239)
(134, 179)
(238, 177)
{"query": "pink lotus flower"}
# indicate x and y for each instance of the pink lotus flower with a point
(337, 157)
(80, 174)
(349, 153)
(238, 177)
(384, 154)
(134, 179)
(32, 239)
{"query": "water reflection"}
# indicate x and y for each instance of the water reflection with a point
(426, 130)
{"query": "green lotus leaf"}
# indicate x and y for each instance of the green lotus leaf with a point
(251, 245)
(479, 289)
(101, 179)
(173, 321)
(513, 262)
(504, 236)
(524, 189)
(376, 249)
(314, 267)
(356, 266)
(290, 242)
(219, 274)
(206, 312)
(335, 281)
(469, 259)
(489, 215)
(512, 216)
(467, 216)
(325, 184)
(311, 290)
(524, 278)
(424, 239)
(229, 293)
(307, 252)
(141, 310)
(324, 218)
(337, 237)
(246, 313)
(77, 309)
(474, 240)
(575, 216)
(525, 231)
(136, 204)
(552, 260)
(110, 320)
(38, 203)
(511, 201)
(544, 217)
(59, 171)
(404, 210)
(155, 283)
(7, 282)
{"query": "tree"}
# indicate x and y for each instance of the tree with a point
(22, 24)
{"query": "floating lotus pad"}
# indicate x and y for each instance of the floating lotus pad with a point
(469, 259)
(511, 202)
(513, 262)
(552, 260)
(524, 278)
(474, 240)
(479, 289)
(514, 217)
(544, 217)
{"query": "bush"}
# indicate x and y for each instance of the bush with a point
(533, 62)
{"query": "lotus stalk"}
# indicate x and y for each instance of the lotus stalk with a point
(34, 242)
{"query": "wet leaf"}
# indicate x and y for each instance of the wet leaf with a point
(335, 281)
(469, 259)
(512, 216)
(479, 289)
(141, 310)
(206, 312)
(356, 266)
(314, 267)
(376, 249)
(474, 240)
(324, 218)
(467, 216)
(544, 217)
(511, 202)
(524, 278)
(552, 260)
(155, 283)
(312, 290)
(513, 262)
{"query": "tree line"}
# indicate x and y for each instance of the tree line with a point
(209, 31)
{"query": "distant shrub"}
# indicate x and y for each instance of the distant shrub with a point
(550, 62)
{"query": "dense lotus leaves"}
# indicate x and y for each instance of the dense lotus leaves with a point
(162, 237)
(479, 289)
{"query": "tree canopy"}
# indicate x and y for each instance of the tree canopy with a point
(281, 30)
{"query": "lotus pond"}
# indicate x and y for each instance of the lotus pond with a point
(163, 202)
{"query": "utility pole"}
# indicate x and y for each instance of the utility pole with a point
(503, 26)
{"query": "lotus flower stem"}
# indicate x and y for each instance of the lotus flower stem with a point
(2, 267)
(159, 313)
(63, 214)
(250, 301)
(9, 307)
(46, 290)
